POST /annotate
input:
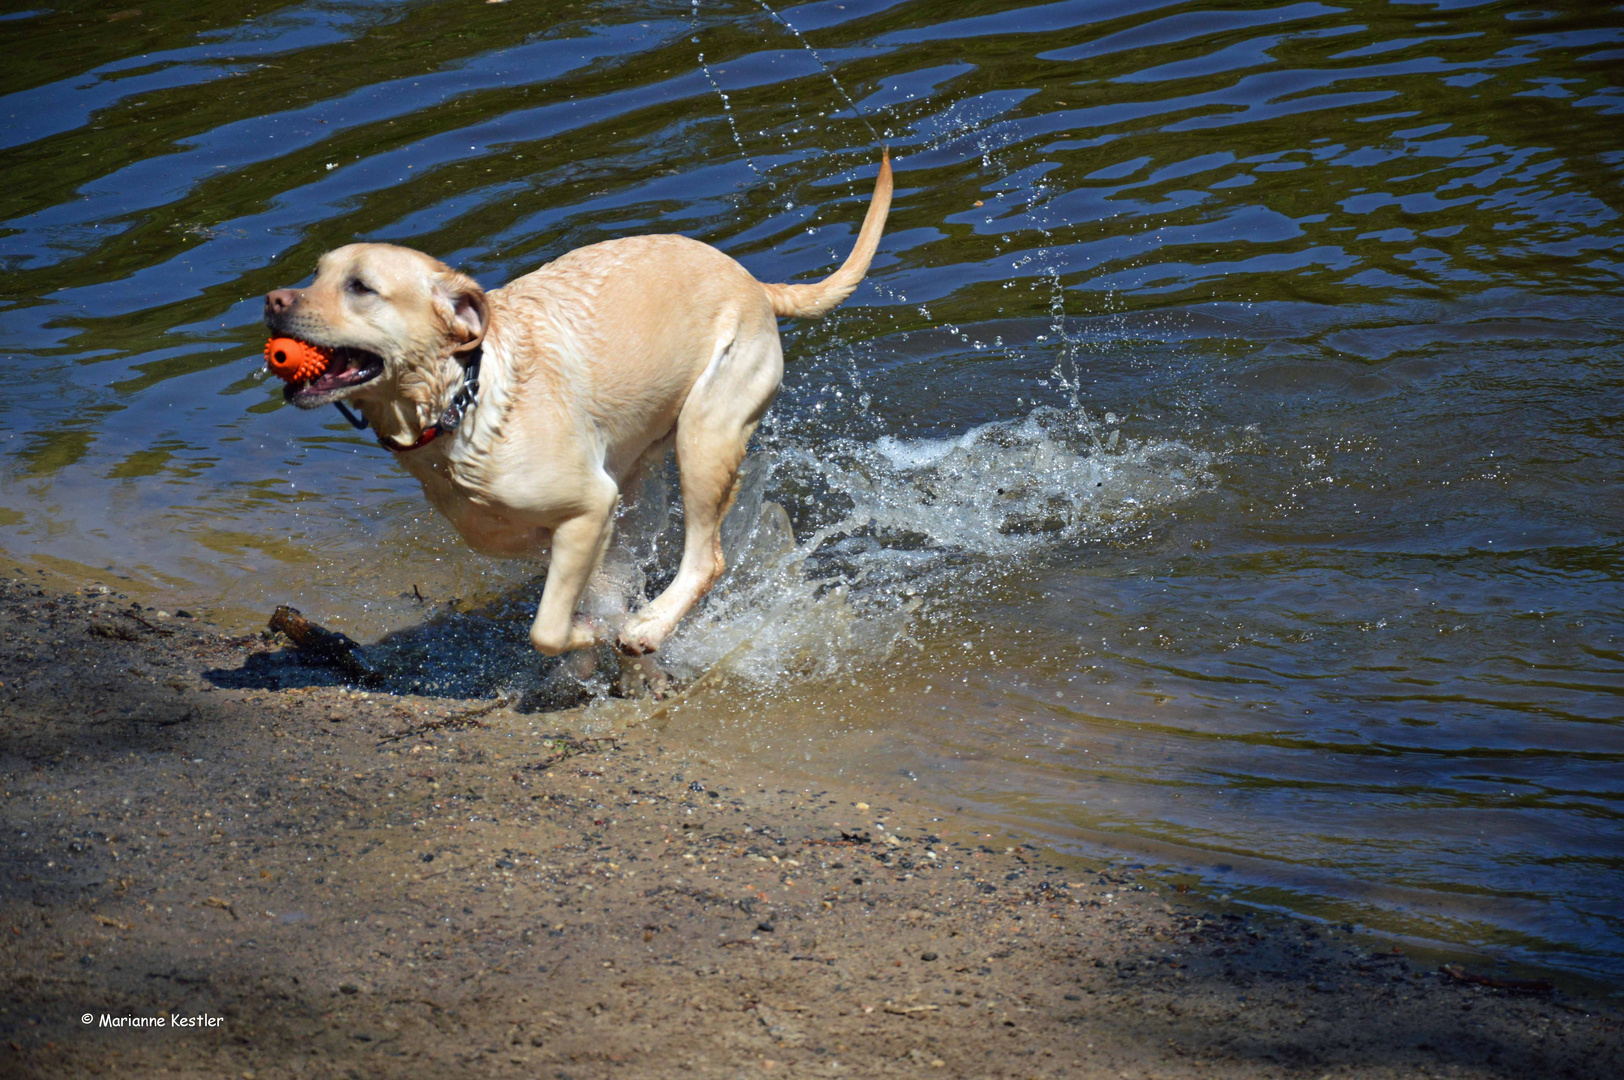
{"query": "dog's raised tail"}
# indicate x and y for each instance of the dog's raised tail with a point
(818, 298)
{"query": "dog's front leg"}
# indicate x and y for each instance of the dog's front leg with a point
(578, 547)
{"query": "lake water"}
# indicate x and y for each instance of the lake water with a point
(1219, 470)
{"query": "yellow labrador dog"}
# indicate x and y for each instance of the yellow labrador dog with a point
(525, 412)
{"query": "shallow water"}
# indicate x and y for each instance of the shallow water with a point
(1219, 469)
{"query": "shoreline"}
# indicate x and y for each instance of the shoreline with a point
(364, 883)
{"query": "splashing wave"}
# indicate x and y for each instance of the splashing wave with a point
(898, 523)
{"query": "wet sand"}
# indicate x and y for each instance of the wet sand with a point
(319, 881)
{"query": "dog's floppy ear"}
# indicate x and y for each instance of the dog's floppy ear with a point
(463, 306)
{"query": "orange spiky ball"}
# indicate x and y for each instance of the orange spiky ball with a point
(296, 360)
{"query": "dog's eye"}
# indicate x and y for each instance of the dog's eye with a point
(359, 287)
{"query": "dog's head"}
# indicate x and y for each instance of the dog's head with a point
(394, 317)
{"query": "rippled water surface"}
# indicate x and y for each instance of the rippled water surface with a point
(1220, 468)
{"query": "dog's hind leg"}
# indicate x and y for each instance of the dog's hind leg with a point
(578, 547)
(713, 429)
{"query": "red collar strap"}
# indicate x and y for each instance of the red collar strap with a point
(430, 433)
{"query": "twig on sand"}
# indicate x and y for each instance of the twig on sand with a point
(465, 719)
(328, 646)
(1521, 986)
(143, 622)
(562, 747)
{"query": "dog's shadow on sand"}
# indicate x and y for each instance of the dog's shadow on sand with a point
(485, 653)
(482, 653)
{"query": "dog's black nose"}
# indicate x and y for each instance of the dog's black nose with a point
(278, 301)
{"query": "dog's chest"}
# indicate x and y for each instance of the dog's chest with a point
(485, 507)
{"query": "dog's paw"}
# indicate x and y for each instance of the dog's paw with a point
(582, 633)
(634, 646)
(632, 641)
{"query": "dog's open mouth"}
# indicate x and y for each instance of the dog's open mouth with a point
(346, 369)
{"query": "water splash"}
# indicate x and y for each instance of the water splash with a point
(908, 524)
(727, 104)
(827, 71)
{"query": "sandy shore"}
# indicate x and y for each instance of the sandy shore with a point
(316, 881)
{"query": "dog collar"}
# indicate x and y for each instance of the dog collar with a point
(449, 420)
(430, 433)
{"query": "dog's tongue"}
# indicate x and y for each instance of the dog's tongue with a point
(295, 360)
